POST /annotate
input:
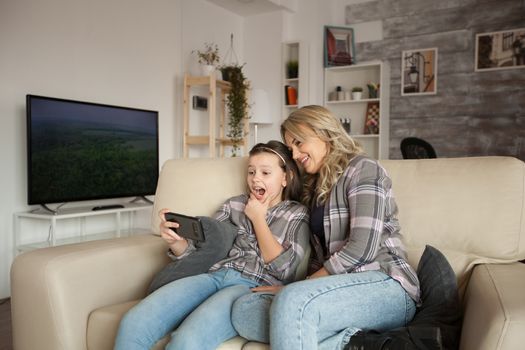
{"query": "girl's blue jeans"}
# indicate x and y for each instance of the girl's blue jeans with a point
(199, 307)
(323, 313)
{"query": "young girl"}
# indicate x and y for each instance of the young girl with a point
(271, 241)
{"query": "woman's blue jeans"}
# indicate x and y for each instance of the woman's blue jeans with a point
(323, 313)
(198, 306)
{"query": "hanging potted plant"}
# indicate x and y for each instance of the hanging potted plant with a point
(208, 58)
(231, 64)
(237, 105)
(229, 70)
(236, 100)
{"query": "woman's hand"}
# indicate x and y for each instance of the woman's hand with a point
(176, 243)
(267, 289)
(319, 273)
(275, 289)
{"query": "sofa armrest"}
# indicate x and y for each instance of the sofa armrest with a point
(494, 316)
(53, 290)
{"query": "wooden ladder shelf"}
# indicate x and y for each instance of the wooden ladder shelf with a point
(218, 89)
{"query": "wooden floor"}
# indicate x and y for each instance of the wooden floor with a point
(6, 340)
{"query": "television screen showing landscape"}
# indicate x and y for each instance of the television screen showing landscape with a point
(80, 151)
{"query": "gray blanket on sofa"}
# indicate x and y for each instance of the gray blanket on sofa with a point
(219, 237)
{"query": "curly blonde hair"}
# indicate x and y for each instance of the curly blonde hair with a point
(341, 148)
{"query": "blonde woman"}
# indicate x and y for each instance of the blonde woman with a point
(359, 278)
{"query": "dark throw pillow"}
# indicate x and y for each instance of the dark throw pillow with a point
(439, 293)
(437, 322)
(219, 237)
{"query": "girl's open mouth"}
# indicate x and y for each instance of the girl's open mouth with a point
(258, 192)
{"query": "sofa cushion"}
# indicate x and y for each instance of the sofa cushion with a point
(103, 326)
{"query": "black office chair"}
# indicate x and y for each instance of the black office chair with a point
(414, 148)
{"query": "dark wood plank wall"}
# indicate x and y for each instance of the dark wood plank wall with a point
(473, 113)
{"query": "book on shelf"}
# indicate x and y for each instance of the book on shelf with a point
(290, 94)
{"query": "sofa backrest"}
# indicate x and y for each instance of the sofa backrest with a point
(198, 186)
(472, 209)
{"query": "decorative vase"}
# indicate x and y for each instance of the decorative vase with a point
(372, 93)
(356, 95)
(207, 69)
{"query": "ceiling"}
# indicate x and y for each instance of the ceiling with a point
(247, 8)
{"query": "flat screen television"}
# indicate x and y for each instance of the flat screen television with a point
(80, 151)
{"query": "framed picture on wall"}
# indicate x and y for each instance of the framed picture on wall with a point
(419, 72)
(500, 50)
(339, 49)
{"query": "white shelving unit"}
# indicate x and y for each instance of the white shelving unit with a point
(81, 214)
(359, 75)
(294, 51)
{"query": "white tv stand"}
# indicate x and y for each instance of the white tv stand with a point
(75, 213)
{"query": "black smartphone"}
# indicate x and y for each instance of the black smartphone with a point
(189, 226)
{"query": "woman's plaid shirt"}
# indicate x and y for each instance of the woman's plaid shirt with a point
(361, 228)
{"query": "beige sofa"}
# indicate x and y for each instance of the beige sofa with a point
(72, 297)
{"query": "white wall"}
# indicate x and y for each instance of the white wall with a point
(262, 52)
(121, 52)
(133, 53)
(204, 22)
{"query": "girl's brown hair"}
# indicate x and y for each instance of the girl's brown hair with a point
(293, 179)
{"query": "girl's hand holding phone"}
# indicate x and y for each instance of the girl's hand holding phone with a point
(165, 228)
